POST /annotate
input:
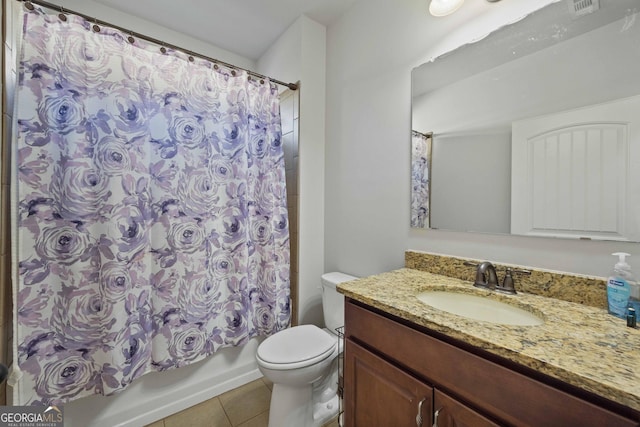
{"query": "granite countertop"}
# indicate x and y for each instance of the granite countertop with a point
(581, 345)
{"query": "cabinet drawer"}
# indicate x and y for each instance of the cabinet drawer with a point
(501, 392)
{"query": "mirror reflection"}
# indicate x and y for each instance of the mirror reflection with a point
(420, 179)
(535, 130)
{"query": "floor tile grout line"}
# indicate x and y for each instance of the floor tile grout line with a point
(226, 414)
(244, 422)
(256, 385)
(225, 410)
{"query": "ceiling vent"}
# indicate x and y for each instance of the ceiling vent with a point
(583, 7)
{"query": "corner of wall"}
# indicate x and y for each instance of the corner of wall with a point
(299, 55)
(312, 168)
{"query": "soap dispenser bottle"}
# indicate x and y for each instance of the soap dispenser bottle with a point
(622, 288)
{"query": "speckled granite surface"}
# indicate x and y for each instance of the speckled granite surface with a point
(581, 345)
(577, 288)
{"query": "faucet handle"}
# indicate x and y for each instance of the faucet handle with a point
(520, 271)
(507, 286)
(480, 281)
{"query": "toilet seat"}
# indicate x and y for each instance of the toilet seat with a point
(296, 347)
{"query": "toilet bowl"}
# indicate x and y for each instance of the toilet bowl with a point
(302, 363)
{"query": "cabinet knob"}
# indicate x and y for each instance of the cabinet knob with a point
(419, 416)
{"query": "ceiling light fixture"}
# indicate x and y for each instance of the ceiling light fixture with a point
(447, 7)
(444, 7)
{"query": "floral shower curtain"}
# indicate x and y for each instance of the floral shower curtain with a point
(151, 217)
(420, 179)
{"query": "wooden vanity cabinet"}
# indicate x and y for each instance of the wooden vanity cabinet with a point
(385, 395)
(392, 365)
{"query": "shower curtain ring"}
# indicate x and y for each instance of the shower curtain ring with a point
(130, 38)
(29, 5)
(95, 27)
(62, 16)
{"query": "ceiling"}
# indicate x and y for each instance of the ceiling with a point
(244, 27)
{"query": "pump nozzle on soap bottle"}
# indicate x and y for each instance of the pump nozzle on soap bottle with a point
(622, 261)
(622, 289)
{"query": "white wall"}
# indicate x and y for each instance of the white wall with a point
(157, 395)
(299, 55)
(370, 54)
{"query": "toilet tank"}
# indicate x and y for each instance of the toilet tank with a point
(332, 300)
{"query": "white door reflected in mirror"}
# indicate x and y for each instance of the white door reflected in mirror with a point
(571, 174)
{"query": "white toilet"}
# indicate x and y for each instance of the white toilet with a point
(302, 363)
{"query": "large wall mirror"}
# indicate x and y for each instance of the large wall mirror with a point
(535, 129)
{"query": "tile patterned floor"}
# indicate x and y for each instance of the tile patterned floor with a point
(245, 406)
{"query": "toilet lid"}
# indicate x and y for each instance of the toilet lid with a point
(296, 344)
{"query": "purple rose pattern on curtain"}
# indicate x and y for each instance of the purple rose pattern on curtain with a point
(420, 176)
(152, 221)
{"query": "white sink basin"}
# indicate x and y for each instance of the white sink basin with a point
(479, 308)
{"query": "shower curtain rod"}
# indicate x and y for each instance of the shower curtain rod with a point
(29, 5)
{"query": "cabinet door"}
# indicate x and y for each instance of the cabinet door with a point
(452, 413)
(379, 394)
